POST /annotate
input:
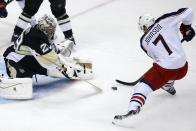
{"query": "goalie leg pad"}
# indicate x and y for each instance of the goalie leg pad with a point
(84, 63)
(16, 88)
(86, 72)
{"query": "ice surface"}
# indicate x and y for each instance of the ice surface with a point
(106, 32)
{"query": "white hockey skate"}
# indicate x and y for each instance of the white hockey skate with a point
(124, 120)
(169, 87)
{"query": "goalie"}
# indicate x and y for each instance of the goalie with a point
(35, 53)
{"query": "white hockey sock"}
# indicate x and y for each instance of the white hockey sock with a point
(139, 96)
(22, 4)
(65, 25)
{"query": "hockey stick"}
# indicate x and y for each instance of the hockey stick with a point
(129, 83)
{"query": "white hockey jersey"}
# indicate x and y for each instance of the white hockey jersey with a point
(162, 41)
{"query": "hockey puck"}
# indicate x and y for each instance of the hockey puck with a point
(114, 88)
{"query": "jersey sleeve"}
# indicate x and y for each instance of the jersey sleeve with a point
(186, 16)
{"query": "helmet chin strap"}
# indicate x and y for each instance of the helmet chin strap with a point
(145, 29)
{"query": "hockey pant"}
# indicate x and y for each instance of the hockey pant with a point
(18, 70)
(156, 77)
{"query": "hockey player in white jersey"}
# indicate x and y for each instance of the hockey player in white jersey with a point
(35, 53)
(161, 42)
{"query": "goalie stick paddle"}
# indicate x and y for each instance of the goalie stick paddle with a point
(128, 83)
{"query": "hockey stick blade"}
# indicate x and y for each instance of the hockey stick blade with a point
(128, 83)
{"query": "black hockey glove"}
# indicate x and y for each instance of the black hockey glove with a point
(3, 11)
(187, 32)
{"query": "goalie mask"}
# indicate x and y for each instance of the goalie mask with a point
(145, 22)
(48, 25)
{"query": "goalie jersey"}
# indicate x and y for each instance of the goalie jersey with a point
(162, 41)
(25, 57)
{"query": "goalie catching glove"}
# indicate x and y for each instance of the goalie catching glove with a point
(78, 69)
(187, 32)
